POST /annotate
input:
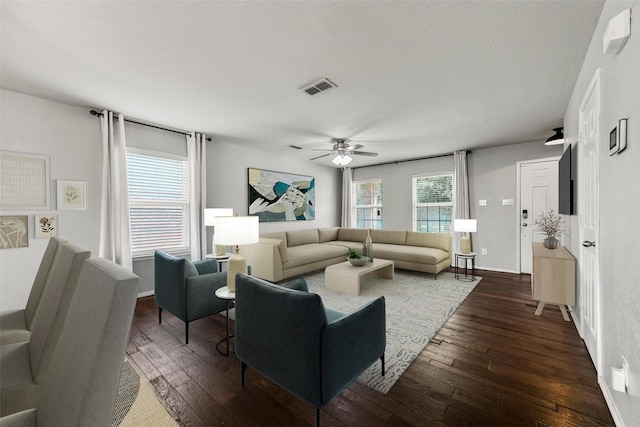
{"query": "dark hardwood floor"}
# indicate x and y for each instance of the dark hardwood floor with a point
(494, 363)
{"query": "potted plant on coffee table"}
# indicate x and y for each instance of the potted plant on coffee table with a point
(355, 258)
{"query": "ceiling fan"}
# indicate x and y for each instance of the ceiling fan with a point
(343, 151)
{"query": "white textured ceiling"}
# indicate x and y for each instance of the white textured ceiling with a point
(415, 78)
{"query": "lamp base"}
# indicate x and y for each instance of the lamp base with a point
(465, 245)
(237, 264)
(219, 250)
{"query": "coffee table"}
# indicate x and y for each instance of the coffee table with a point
(345, 278)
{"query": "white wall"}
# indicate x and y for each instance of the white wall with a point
(619, 205)
(72, 139)
(492, 177)
(70, 136)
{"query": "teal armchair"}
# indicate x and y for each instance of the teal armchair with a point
(287, 335)
(187, 289)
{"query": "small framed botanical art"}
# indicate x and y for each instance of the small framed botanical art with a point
(46, 226)
(72, 194)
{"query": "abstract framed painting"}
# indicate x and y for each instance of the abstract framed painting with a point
(280, 196)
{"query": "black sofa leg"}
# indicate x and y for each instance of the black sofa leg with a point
(317, 417)
(244, 368)
(159, 314)
(382, 360)
(186, 332)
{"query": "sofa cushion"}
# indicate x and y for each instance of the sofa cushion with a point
(327, 234)
(418, 254)
(313, 252)
(389, 236)
(429, 240)
(352, 234)
(191, 269)
(303, 237)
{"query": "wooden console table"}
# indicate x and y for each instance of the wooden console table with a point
(553, 280)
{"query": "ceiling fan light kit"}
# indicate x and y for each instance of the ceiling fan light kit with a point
(342, 160)
(343, 152)
(557, 138)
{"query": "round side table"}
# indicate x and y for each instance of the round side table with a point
(225, 294)
(466, 257)
(220, 259)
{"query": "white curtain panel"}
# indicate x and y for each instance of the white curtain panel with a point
(347, 185)
(115, 229)
(461, 193)
(197, 154)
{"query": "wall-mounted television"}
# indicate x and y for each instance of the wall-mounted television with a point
(566, 183)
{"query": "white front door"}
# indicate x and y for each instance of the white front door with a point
(588, 274)
(538, 193)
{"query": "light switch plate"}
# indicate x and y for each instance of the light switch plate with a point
(482, 203)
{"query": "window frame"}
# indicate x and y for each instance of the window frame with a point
(355, 206)
(416, 205)
(186, 204)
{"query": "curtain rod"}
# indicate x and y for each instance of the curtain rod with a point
(408, 160)
(126, 119)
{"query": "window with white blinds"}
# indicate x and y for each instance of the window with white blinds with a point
(158, 202)
(433, 203)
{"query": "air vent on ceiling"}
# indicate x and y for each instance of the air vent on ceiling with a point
(295, 147)
(319, 86)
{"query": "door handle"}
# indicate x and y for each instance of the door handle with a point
(524, 224)
(588, 244)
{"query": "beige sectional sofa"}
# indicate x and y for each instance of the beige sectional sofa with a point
(279, 256)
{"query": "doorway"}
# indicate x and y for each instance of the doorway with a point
(538, 189)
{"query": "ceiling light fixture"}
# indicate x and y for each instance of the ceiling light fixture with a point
(341, 159)
(556, 139)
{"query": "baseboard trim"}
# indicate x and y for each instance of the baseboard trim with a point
(499, 270)
(608, 397)
(146, 294)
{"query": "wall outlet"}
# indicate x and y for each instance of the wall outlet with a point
(484, 251)
(482, 203)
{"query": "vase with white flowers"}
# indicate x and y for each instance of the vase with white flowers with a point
(551, 224)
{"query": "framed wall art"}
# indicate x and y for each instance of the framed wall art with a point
(72, 194)
(24, 181)
(14, 231)
(46, 226)
(280, 196)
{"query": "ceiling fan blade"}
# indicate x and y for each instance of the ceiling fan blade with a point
(321, 149)
(319, 157)
(364, 153)
(354, 147)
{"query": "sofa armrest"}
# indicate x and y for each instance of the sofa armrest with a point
(350, 345)
(265, 259)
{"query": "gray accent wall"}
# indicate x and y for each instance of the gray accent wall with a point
(619, 204)
(492, 177)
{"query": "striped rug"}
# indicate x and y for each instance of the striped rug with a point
(416, 306)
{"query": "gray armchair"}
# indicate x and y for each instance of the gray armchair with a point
(187, 289)
(287, 335)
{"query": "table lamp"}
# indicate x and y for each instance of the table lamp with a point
(236, 231)
(210, 215)
(465, 226)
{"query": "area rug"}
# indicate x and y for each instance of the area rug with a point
(137, 404)
(416, 306)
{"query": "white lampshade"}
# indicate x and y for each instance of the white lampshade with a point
(210, 215)
(236, 230)
(465, 225)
